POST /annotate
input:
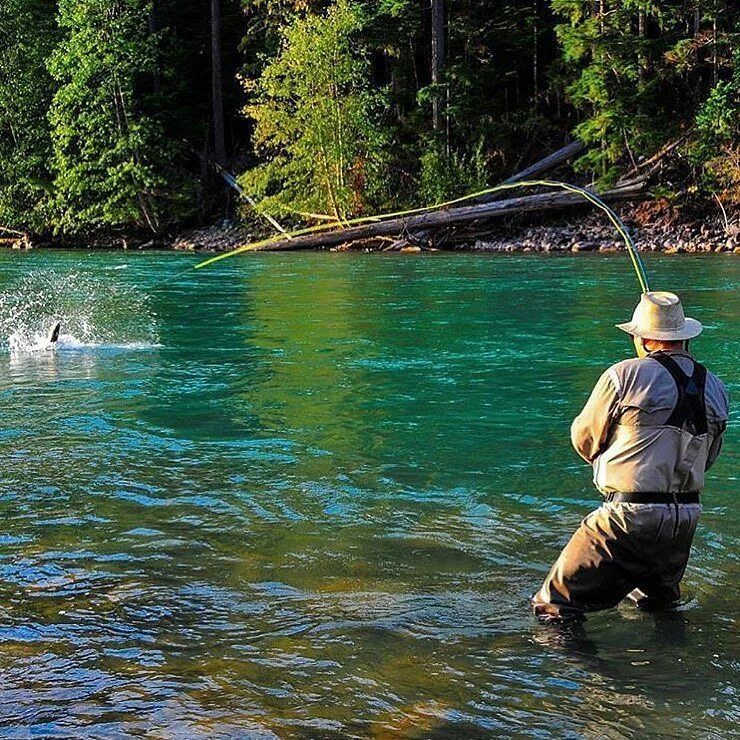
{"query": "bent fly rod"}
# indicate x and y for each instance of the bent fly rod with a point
(622, 230)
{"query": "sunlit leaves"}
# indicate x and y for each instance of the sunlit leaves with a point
(315, 131)
(108, 152)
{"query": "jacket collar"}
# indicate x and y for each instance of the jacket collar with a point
(673, 353)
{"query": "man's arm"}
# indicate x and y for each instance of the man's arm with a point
(720, 412)
(590, 429)
(716, 447)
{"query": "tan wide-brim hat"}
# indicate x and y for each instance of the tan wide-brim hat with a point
(659, 315)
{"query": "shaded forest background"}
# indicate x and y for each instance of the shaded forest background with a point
(121, 116)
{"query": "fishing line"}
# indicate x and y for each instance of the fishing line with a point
(591, 197)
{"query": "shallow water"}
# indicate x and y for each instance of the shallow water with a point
(310, 495)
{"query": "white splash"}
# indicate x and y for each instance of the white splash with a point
(93, 313)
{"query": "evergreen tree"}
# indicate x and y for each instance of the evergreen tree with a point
(109, 151)
(716, 146)
(642, 71)
(27, 35)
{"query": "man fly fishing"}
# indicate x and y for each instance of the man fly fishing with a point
(651, 428)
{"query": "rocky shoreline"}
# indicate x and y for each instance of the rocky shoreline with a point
(653, 229)
(590, 236)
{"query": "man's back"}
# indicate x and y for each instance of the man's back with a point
(627, 431)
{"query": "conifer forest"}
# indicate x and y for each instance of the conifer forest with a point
(129, 116)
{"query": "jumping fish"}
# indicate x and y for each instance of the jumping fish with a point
(53, 334)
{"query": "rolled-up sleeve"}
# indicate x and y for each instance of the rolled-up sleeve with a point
(590, 429)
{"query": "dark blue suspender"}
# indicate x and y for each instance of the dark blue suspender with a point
(690, 412)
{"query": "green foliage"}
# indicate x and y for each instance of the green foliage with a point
(640, 72)
(494, 92)
(716, 146)
(109, 154)
(445, 176)
(718, 120)
(615, 80)
(27, 35)
(106, 119)
(315, 126)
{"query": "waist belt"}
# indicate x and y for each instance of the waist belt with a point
(648, 497)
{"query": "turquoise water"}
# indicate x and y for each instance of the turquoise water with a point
(310, 495)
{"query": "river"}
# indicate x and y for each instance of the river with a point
(309, 495)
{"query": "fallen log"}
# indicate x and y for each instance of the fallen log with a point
(542, 166)
(433, 221)
(548, 163)
(6, 230)
(638, 172)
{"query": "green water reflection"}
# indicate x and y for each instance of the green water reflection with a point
(316, 504)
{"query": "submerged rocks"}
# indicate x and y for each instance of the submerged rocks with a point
(584, 247)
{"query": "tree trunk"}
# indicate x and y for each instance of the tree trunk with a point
(156, 73)
(549, 162)
(438, 55)
(642, 36)
(219, 145)
(715, 66)
(535, 49)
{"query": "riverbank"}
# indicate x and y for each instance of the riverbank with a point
(592, 234)
(654, 226)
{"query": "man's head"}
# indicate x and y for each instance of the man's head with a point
(658, 323)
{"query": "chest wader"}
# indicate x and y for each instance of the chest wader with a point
(690, 413)
(600, 566)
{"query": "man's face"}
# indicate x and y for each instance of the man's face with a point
(639, 346)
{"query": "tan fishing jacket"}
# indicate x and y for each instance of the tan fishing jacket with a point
(622, 430)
